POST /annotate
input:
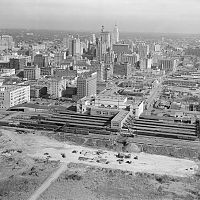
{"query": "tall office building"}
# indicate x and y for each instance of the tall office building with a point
(115, 37)
(86, 85)
(109, 57)
(143, 50)
(32, 72)
(18, 63)
(93, 38)
(104, 44)
(39, 60)
(67, 40)
(75, 46)
(105, 39)
(100, 71)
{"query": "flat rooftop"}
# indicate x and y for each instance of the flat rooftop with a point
(120, 116)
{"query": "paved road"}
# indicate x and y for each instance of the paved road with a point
(48, 182)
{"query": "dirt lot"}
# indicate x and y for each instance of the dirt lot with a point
(92, 183)
(28, 160)
(20, 174)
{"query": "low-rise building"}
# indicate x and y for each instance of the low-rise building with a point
(46, 71)
(7, 72)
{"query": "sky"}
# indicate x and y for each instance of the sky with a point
(163, 16)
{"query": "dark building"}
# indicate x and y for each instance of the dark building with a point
(41, 60)
(69, 92)
(17, 63)
(4, 65)
(123, 69)
(46, 71)
(24, 52)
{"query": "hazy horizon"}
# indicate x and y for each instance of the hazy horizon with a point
(131, 16)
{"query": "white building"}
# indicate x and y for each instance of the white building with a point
(115, 38)
(6, 42)
(157, 48)
(56, 87)
(38, 47)
(11, 95)
(116, 101)
(130, 58)
(7, 72)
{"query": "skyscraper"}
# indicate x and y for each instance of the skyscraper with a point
(103, 44)
(75, 46)
(105, 39)
(115, 37)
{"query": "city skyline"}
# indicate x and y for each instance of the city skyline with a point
(159, 16)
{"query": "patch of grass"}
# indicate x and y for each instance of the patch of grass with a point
(74, 177)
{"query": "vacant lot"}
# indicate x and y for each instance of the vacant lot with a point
(92, 183)
(27, 159)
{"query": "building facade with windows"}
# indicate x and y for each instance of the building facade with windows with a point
(11, 95)
(87, 85)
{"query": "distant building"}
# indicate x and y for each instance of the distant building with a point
(123, 69)
(108, 57)
(101, 86)
(56, 87)
(157, 48)
(6, 42)
(65, 73)
(167, 64)
(143, 50)
(18, 63)
(115, 35)
(104, 44)
(105, 39)
(46, 71)
(39, 47)
(121, 48)
(75, 46)
(4, 64)
(41, 60)
(145, 63)
(130, 58)
(93, 38)
(100, 71)
(32, 72)
(108, 71)
(11, 95)
(87, 85)
(37, 91)
(7, 72)
(58, 58)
